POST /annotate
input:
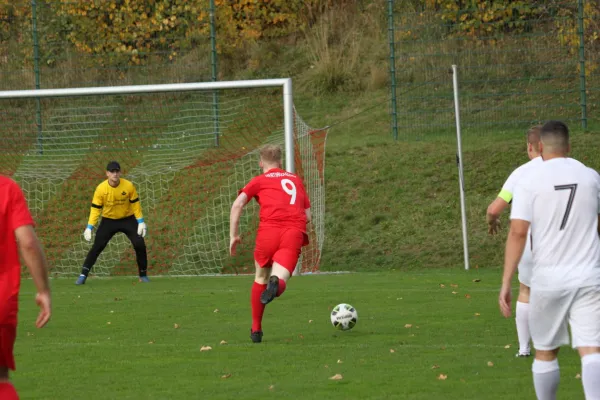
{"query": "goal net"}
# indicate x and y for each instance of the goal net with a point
(188, 148)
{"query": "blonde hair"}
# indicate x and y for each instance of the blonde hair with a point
(271, 154)
(533, 136)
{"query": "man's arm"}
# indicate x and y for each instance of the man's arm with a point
(33, 256)
(95, 209)
(515, 244)
(308, 215)
(494, 211)
(234, 221)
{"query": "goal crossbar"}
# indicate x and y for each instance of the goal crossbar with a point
(284, 83)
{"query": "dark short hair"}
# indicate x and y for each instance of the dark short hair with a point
(555, 132)
(556, 128)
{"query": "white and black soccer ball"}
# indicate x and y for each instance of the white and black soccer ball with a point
(344, 317)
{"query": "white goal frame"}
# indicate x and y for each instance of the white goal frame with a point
(284, 83)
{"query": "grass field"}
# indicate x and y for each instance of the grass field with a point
(113, 338)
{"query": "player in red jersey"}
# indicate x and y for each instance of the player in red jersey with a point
(284, 213)
(17, 234)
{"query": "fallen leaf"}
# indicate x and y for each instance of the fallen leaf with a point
(301, 336)
(337, 377)
(111, 311)
(443, 348)
(310, 321)
(476, 280)
(340, 361)
(29, 334)
(454, 285)
(222, 342)
(399, 298)
(442, 285)
(108, 323)
(435, 366)
(454, 292)
(408, 326)
(467, 296)
(326, 366)
(176, 326)
(442, 377)
(226, 376)
(490, 364)
(507, 346)
(578, 376)
(392, 351)
(271, 387)
(118, 298)
(216, 310)
(477, 314)
(205, 348)
(462, 380)
(151, 342)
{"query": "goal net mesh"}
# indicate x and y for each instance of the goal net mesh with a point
(188, 154)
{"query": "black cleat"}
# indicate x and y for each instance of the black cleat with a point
(270, 292)
(256, 336)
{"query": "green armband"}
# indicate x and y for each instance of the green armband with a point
(505, 195)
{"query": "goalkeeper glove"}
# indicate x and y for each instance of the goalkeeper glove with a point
(142, 229)
(87, 234)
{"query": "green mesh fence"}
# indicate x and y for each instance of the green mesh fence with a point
(63, 44)
(520, 67)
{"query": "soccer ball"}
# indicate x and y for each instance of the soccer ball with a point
(344, 317)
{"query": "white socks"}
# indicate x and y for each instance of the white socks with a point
(590, 376)
(546, 376)
(522, 320)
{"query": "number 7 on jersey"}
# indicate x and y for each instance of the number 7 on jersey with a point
(573, 188)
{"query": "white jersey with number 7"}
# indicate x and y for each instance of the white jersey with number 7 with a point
(561, 200)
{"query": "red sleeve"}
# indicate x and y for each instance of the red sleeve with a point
(251, 189)
(306, 198)
(19, 215)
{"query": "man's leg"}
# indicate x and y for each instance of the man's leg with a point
(522, 321)
(8, 335)
(585, 329)
(546, 374)
(106, 231)
(260, 283)
(284, 264)
(129, 227)
(548, 313)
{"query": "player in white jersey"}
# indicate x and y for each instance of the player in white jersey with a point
(494, 211)
(560, 200)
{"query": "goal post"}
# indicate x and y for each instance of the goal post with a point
(187, 173)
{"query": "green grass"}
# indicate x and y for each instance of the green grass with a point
(113, 338)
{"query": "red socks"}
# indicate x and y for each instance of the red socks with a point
(281, 287)
(258, 308)
(8, 392)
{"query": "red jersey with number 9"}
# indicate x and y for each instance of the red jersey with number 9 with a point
(282, 199)
(13, 214)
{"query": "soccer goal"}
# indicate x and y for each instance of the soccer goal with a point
(187, 147)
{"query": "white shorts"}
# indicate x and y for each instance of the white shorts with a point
(525, 271)
(552, 312)
(526, 264)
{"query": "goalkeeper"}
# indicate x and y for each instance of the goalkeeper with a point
(118, 202)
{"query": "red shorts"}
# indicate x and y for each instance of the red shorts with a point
(282, 246)
(8, 334)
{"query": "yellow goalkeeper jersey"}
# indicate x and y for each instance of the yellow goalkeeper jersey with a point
(115, 202)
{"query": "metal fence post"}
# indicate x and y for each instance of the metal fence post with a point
(582, 86)
(213, 53)
(391, 38)
(36, 72)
